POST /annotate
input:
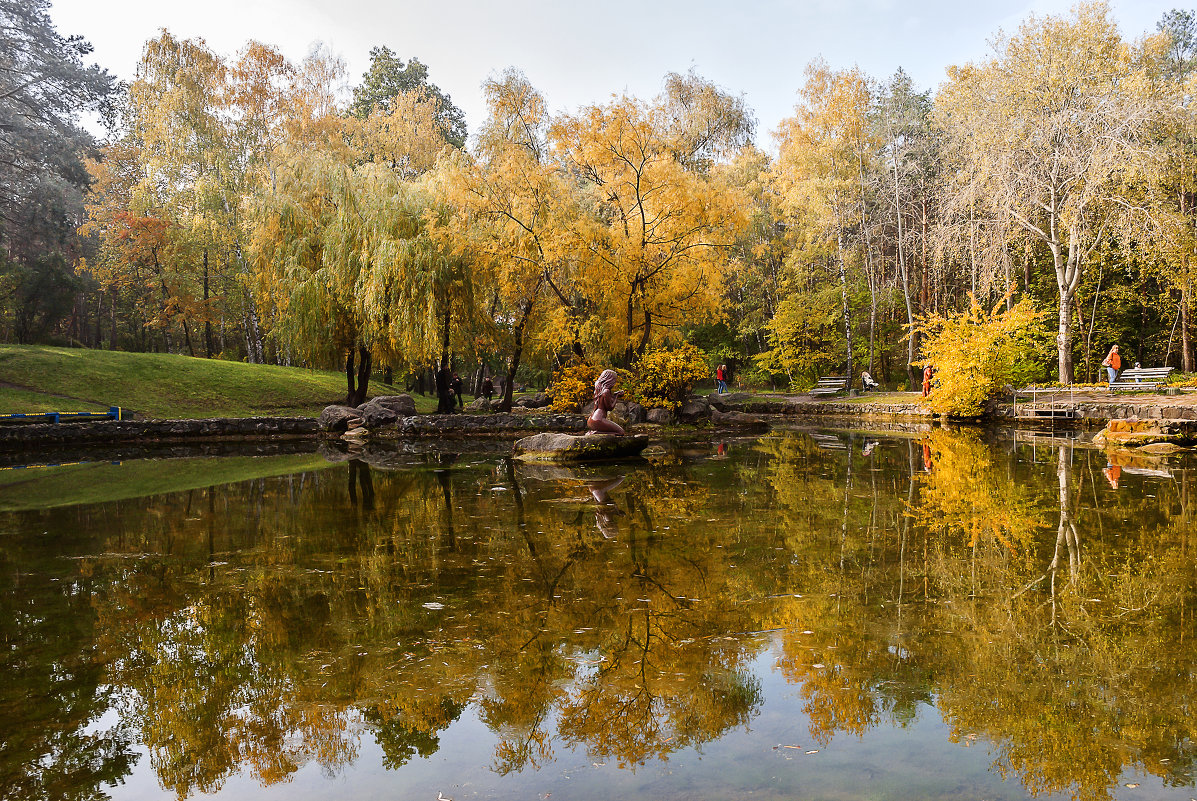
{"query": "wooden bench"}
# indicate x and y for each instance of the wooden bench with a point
(1140, 378)
(830, 385)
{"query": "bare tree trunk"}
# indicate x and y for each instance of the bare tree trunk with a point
(1064, 340)
(847, 311)
(1186, 343)
(1092, 322)
(364, 364)
(444, 402)
(207, 316)
(517, 351)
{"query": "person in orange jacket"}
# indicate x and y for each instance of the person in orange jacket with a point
(1113, 363)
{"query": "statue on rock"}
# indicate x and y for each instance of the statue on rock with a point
(604, 401)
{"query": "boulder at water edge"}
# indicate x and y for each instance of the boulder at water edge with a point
(538, 400)
(551, 447)
(386, 409)
(338, 418)
(1135, 433)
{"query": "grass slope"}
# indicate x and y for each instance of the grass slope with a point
(163, 386)
(97, 482)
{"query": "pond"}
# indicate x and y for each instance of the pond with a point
(804, 614)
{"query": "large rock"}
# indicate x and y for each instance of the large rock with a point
(338, 418)
(695, 409)
(549, 447)
(632, 412)
(1135, 433)
(661, 417)
(536, 401)
(386, 409)
(480, 405)
(737, 419)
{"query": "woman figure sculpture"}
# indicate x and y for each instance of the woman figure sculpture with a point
(604, 401)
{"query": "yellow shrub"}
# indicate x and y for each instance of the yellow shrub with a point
(666, 377)
(572, 386)
(974, 353)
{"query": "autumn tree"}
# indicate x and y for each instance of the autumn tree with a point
(520, 208)
(1045, 129)
(820, 172)
(910, 158)
(659, 229)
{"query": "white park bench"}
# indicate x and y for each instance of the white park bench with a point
(1140, 378)
(830, 385)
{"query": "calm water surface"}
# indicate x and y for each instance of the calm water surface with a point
(822, 615)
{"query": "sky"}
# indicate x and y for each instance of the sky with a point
(577, 53)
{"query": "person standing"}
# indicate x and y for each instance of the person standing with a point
(1113, 363)
(928, 373)
(456, 386)
(719, 385)
(488, 388)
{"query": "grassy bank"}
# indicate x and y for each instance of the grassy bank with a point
(163, 386)
(96, 482)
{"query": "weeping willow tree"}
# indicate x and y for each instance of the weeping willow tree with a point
(355, 264)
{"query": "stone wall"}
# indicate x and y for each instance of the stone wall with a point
(466, 424)
(41, 435)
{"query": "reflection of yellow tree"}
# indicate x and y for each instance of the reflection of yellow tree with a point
(390, 611)
(318, 631)
(966, 493)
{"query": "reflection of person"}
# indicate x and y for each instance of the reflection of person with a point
(721, 449)
(604, 401)
(866, 381)
(1112, 472)
(1113, 363)
(928, 373)
(868, 448)
(927, 457)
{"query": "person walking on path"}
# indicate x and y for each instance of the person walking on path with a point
(604, 401)
(1113, 363)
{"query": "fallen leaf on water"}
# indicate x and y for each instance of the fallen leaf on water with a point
(1132, 785)
(792, 746)
(815, 751)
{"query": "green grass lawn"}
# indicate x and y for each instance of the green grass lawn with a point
(163, 386)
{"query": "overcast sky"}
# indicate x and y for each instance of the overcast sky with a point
(577, 52)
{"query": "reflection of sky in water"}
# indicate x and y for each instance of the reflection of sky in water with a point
(914, 762)
(758, 535)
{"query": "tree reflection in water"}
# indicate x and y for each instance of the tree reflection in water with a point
(275, 623)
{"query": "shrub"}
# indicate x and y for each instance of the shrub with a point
(975, 353)
(572, 386)
(666, 377)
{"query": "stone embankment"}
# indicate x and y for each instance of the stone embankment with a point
(394, 417)
(110, 432)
